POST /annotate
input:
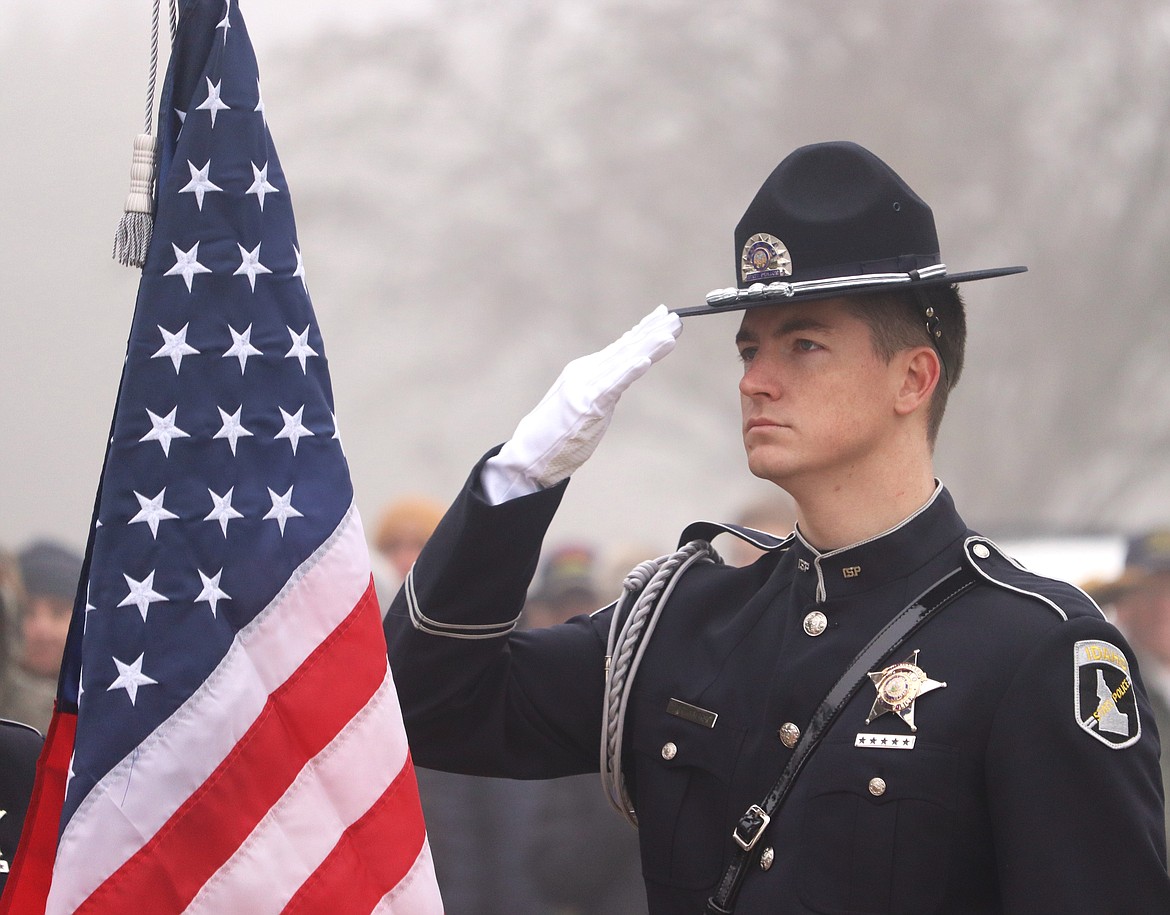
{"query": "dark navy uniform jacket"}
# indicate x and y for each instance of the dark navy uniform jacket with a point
(1008, 800)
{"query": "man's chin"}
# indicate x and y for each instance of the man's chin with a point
(768, 468)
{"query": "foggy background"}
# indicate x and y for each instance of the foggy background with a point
(485, 190)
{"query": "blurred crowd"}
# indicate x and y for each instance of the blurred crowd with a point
(546, 848)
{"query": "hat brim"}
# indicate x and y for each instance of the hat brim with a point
(827, 290)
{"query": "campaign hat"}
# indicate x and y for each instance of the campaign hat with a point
(832, 220)
(1147, 558)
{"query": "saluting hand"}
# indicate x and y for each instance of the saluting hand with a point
(562, 431)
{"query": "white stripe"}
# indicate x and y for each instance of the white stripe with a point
(330, 793)
(122, 813)
(417, 893)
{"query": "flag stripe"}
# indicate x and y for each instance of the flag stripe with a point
(124, 812)
(303, 715)
(338, 788)
(351, 872)
(417, 893)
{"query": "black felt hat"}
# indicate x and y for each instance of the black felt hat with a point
(833, 219)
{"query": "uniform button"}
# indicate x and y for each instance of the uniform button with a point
(877, 786)
(981, 550)
(815, 623)
(789, 734)
(669, 750)
(767, 856)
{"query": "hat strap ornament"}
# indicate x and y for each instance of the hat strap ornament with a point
(734, 296)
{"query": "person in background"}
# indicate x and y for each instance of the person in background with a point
(1140, 602)
(583, 860)
(20, 744)
(49, 573)
(403, 527)
(466, 816)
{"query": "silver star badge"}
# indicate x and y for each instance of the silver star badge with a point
(898, 686)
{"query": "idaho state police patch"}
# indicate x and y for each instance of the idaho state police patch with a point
(1106, 706)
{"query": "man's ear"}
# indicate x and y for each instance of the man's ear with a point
(920, 372)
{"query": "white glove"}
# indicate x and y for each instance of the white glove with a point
(559, 435)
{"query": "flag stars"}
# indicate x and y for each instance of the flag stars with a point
(142, 594)
(130, 677)
(242, 347)
(225, 23)
(300, 347)
(151, 512)
(212, 593)
(163, 430)
(175, 346)
(232, 429)
(186, 264)
(260, 185)
(199, 184)
(282, 508)
(250, 264)
(213, 103)
(294, 430)
(300, 271)
(222, 510)
(260, 103)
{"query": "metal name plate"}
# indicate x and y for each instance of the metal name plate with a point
(692, 713)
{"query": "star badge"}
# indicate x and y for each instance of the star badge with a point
(898, 686)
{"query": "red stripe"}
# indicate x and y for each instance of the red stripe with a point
(300, 718)
(371, 857)
(27, 889)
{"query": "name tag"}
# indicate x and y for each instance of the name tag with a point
(692, 713)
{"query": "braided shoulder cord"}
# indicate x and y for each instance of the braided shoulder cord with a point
(645, 592)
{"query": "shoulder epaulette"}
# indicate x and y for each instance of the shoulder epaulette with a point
(708, 530)
(993, 565)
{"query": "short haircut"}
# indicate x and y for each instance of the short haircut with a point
(897, 322)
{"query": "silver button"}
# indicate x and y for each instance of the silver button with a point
(815, 623)
(669, 750)
(981, 550)
(767, 856)
(789, 734)
(877, 786)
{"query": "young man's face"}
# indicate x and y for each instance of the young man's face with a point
(817, 400)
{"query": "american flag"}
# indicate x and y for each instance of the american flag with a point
(226, 715)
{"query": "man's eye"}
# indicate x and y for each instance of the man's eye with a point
(747, 354)
(807, 346)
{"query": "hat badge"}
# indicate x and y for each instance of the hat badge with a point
(764, 257)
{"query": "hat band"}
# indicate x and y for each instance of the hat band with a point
(760, 291)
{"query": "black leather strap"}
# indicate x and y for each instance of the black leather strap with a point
(752, 825)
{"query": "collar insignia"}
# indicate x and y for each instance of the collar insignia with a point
(764, 257)
(898, 686)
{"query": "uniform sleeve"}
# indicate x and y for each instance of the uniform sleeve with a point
(1073, 780)
(477, 698)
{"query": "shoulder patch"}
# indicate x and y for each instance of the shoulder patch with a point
(1103, 696)
(996, 567)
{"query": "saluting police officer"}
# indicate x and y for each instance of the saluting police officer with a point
(883, 714)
